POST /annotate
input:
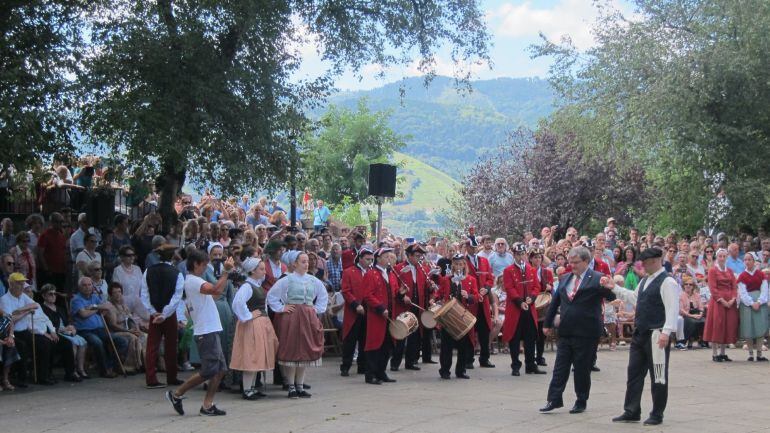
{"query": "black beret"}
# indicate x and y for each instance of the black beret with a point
(651, 253)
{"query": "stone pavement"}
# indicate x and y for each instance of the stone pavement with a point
(703, 397)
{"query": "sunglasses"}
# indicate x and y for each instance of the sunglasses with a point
(97, 269)
(128, 255)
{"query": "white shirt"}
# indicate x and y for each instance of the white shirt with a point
(276, 297)
(87, 257)
(336, 300)
(169, 309)
(744, 294)
(202, 308)
(77, 238)
(275, 267)
(10, 303)
(131, 280)
(384, 273)
(669, 294)
(42, 324)
(242, 296)
(571, 283)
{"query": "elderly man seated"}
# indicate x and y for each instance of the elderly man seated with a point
(22, 309)
(86, 310)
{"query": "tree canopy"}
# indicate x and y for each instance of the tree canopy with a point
(682, 89)
(336, 158)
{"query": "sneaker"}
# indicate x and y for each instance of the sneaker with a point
(680, 346)
(212, 411)
(176, 402)
(293, 394)
(155, 385)
(303, 394)
(187, 366)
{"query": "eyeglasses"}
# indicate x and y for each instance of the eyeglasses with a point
(97, 269)
(694, 256)
(128, 255)
(10, 263)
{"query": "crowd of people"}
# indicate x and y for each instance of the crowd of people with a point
(233, 292)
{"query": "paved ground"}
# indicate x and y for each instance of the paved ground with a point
(703, 397)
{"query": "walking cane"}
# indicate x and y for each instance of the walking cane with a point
(34, 352)
(112, 343)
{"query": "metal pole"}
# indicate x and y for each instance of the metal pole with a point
(379, 221)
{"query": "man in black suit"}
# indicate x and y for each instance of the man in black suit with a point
(578, 300)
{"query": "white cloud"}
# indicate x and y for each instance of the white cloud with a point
(567, 17)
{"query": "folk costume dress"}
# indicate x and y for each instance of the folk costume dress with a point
(255, 344)
(752, 287)
(300, 333)
(721, 322)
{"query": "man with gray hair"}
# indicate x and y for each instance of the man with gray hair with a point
(578, 300)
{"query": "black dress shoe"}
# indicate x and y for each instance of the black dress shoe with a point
(578, 408)
(305, 386)
(761, 359)
(386, 379)
(716, 358)
(725, 358)
(535, 371)
(430, 361)
(653, 421)
(627, 417)
(751, 359)
(550, 406)
(595, 368)
(515, 373)
(446, 376)
(373, 381)
(412, 367)
(344, 373)
(541, 362)
(462, 376)
(393, 368)
(487, 365)
(469, 366)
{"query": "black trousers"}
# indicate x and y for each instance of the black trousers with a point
(356, 337)
(427, 344)
(409, 347)
(43, 354)
(572, 351)
(482, 336)
(448, 344)
(377, 360)
(526, 331)
(639, 365)
(540, 344)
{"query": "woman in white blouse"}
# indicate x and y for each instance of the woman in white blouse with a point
(255, 343)
(297, 300)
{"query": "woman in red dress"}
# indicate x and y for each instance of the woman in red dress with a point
(722, 318)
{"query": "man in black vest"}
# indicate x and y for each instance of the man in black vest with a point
(578, 300)
(162, 288)
(657, 307)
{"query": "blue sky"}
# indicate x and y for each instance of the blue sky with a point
(514, 25)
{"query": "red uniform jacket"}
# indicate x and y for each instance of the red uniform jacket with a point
(421, 286)
(353, 292)
(517, 288)
(380, 296)
(484, 278)
(270, 279)
(469, 285)
(348, 258)
(545, 278)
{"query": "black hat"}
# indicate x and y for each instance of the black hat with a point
(381, 251)
(358, 235)
(651, 253)
(273, 246)
(415, 248)
(519, 248)
(458, 257)
(589, 243)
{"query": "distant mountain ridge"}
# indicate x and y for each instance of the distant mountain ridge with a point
(450, 129)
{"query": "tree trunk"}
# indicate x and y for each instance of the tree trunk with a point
(168, 185)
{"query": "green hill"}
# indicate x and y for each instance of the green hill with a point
(451, 129)
(425, 193)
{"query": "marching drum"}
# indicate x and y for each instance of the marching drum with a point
(542, 302)
(428, 317)
(403, 325)
(455, 319)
